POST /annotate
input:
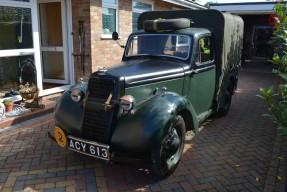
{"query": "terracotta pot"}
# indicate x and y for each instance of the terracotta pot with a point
(9, 107)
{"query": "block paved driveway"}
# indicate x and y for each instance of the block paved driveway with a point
(239, 152)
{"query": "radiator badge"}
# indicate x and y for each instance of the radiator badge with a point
(109, 99)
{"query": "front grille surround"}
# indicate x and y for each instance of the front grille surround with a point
(97, 123)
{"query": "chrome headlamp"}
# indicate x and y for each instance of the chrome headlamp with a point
(77, 95)
(127, 102)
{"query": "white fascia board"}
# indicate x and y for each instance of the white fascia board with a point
(184, 3)
(250, 12)
(251, 9)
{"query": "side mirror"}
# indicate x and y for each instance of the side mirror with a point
(115, 36)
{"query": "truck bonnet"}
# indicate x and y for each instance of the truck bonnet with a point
(143, 71)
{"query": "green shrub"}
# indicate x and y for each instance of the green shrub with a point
(276, 99)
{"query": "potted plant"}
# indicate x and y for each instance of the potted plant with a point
(28, 92)
(8, 105)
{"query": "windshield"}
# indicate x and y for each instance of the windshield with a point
(170, 45)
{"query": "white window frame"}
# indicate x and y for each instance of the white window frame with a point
(135, 10)
(20, 52)
(17, 3)
(35, 51)
(111, 6)
(67, 9)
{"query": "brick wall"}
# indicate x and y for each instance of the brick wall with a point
(81, 11)
(103, 52)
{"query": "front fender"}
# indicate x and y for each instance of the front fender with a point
(69, 114)
(144, 128)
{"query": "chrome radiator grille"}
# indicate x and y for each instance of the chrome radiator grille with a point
(100, 88)
(96, 123)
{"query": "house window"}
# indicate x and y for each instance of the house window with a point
(16, 24)
(138, 8)
(110, 16)
(16, 46)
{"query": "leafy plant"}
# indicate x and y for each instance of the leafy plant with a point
(7, 101)
(27, 88)
(276, 99)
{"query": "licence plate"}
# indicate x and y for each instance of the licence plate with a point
(87, 147)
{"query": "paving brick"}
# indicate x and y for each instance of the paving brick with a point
(45, 186)
(219, 187)
(7, 189)
(3, 177)
(59, 189)
(18, 173)
(19, 185)
(102, 190)
(65, 173)
(46, 175)
(186, 186)
(203, 186)
(65, 183)
(207, 179)
(84, 171)
(70, 188)
(55, 179)
(26, 177)
(170, 186)
(35, 181)
(250, 187)
(10, 182)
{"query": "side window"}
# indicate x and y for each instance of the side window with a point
(204, 50)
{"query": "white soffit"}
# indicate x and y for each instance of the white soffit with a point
(185, 3)
(245, 8)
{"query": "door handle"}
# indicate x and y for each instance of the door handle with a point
(194, 72)
(203, 69)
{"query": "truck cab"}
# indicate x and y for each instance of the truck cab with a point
(177, 69)
(191, 50)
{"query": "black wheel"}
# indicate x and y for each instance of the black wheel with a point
(167, 156)
(227, 102)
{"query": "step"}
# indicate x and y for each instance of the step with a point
(49, 102)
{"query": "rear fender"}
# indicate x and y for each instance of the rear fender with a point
(144, 127)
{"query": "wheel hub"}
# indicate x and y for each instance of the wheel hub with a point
(173, 143)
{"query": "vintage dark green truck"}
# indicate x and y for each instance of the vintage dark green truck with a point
(177, 69)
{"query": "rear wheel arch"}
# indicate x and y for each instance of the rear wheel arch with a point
(229, 91)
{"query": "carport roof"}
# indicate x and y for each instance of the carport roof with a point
(245, 8)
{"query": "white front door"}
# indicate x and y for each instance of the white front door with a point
(53, 42)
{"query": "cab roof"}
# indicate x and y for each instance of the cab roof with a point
(192, 31)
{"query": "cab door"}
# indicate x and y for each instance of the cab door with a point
(201, 89)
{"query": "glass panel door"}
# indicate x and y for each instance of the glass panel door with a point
(16, 48)
(53, 42)
(16, 24)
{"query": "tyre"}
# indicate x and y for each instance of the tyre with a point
(167, 156)
(227, 102)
